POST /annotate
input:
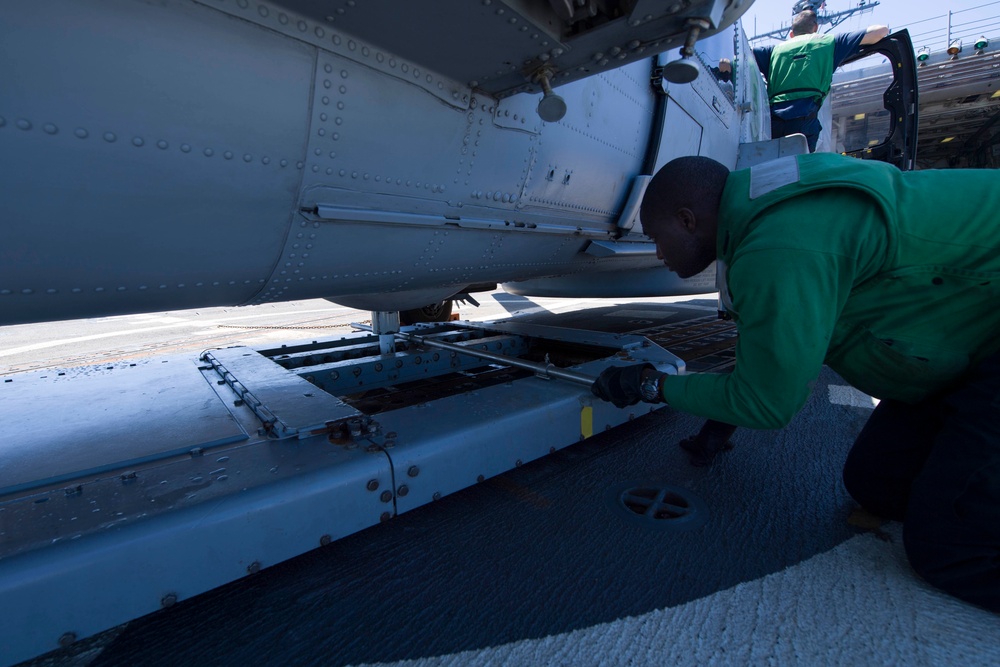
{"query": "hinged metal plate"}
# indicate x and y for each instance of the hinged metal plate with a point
(297, 407)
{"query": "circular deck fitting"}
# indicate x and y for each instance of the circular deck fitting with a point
(656, 505)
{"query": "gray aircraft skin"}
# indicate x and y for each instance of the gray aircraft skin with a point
(384, 155)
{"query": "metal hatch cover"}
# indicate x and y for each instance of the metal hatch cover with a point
(123, 410)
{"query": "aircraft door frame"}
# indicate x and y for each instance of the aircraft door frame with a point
(900, 99)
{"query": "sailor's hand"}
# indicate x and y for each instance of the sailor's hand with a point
(621, 384)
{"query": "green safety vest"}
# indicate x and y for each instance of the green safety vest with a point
(801, 67)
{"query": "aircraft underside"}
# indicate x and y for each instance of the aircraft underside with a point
(186, 154)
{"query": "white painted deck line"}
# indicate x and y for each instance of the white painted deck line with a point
(845, 395)
(857, 604)
(172, 323)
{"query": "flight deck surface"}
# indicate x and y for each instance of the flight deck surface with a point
(545, 564)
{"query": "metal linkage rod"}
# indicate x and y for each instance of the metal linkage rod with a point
(546, 370)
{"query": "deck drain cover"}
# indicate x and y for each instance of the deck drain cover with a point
(660, 505)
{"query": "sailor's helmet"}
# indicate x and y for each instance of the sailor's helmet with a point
(803, 5)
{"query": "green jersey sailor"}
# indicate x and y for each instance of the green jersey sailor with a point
(890, 278)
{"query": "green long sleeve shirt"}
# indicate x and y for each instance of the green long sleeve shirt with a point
(892, 279)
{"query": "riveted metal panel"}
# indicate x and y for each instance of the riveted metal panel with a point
(640, 282)
(188, 138)
(703, 103)
(496, 45)
(209, 125)
(501, 143)
(378, 134)
(478, 43)
(84, 584)
(421, 259)
(320, 262)
(309, 22)
(604, 133)
(44, 408)
(682, 132)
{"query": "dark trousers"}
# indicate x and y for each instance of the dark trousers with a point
(808, 125)
(936, 467)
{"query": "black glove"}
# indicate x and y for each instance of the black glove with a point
(620, 384)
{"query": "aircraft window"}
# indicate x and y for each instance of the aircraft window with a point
(711, 51)
(859, 117)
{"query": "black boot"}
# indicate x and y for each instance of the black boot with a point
(710, 440)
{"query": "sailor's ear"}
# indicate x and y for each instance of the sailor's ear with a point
(687, 218)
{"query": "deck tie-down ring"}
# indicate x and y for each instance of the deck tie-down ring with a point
(657, 505)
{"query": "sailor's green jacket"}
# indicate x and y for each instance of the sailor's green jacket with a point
(890, 278)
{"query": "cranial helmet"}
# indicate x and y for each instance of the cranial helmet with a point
(803, 5)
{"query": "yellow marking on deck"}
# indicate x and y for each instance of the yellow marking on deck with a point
(587, 421)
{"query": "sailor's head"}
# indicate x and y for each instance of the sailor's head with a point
(680, 210)
(805, 23)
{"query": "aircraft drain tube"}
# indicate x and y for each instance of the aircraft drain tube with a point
(656, 132)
